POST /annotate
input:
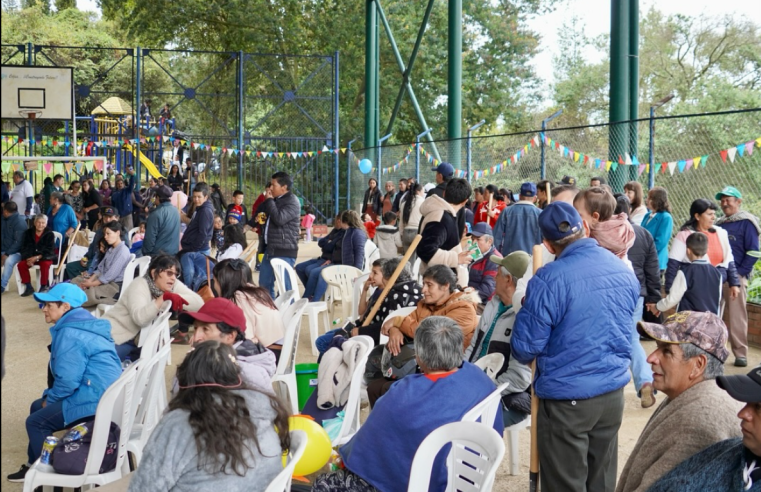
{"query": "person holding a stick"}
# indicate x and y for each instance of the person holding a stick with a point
(575, 321)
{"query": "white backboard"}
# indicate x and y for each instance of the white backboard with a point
(45, 89)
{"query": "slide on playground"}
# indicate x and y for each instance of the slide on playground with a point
(145, 162)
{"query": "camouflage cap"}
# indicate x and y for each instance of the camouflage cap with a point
(704, 330)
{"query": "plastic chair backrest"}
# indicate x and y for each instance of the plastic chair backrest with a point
(477, 451)
(394, 314)
(372, 253)
(351, 424)
(150, 339)
(416, 268)
(59, 241)
(487, 409)
(491, 364)
(282, 482)
(131, 233)
(358, 284)
(292, 321)
(141, 264)
(282, 272)
(146, 403)
(284, 300)
(340, 278)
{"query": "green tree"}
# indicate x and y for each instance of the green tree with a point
(65, 4)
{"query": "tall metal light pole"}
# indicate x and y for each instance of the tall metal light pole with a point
(651, 172)
(348, 173)
(454, 83)
(543, 169)
(469, 157)
(417, 153)
(380, 147)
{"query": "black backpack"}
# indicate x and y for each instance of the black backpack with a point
(70, 458)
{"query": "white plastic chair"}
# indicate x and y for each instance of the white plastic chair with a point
(359, 282)
(487, 409)
(340, 289)
(512, 436)
(282, 482)
(351, 423)
(35, 270)
(154, 336)
(285, 374)
(148, 404)
(416, 270)
(131, 233)
(372, 253)
(491, 364)
(115, 406)
(141, 264)
(401, 312)
(285, 300)
(313, 309)
(477, 451)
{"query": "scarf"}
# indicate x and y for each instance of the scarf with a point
(616, 235)
(155, 291)
(741, 215)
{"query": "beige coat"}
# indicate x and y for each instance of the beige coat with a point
(701, 416)
(136, 310)
(263, 324)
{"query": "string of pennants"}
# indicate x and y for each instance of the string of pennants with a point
(429, 158)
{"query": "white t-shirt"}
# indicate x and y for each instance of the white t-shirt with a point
(231, 253)
(19, 195)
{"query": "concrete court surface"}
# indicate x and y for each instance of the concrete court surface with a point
(26, 357)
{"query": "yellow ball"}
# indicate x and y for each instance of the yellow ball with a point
(319, 447)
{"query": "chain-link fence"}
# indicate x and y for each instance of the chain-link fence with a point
(238, 116)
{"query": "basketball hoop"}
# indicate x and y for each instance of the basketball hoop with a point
(30, 114)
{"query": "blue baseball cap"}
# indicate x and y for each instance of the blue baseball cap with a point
(528, 189)
(559, 220)
(68, 293)
(480, 229)
(445, 169)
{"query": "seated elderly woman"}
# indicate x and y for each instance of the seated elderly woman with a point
(37, 248)
(141, 302)
(379, 456)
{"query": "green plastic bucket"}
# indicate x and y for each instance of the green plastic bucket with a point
(306, 382)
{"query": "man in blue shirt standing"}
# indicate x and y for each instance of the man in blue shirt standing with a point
(576, 323)
(517, 227)
(121, 199)
(743, 229)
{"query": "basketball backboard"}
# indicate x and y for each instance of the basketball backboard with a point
(47, 90)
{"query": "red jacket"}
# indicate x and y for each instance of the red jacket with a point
(498, 208)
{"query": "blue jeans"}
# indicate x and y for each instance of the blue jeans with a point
(41, 423)
(194, 268)
(315, 287)
(267, 274)
(125, 349)
(10, 262)
(323, 341)
(304, 268)
(641, 371)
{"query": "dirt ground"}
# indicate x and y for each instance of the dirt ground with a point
(26, 357)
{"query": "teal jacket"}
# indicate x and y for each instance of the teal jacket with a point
(162, 231)
(660, 226)
(83, 362)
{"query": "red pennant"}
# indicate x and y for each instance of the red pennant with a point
(620, 161)
(586, 159)
(723, 154)
(664, 165)
(557, 144)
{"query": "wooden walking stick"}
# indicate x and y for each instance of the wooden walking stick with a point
(392, 280)
(62, 263)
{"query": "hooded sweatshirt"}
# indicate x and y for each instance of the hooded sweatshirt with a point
(441, 238)
(388, 239)
(616, 234)
(257, 365)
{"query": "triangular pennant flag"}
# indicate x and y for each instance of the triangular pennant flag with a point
(628, 160)
(78, 166)
(703, 161)
(758, 142)
(614, 166)
(343, 150)
(98, 165)
(608, 165)
(48, 166)
(641, 168)
(696, 162)
(672, 166)
(68, 166)
(731, 153)
(15, 167)
(681, 165)
(58, 168)
(6, 167)
(741, 149)
(635, 162)
(723, 154)
(280, 154)
(663, 167)
(688, 164)
(575, 157)
(597, 163)
(535, 139)
(749, 147)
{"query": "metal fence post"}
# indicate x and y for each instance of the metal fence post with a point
(651, 157)
(138, 119)
(336, 141)
(241, 106)
(469, 157)
(543, 167)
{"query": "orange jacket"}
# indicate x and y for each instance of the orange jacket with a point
(460, 306)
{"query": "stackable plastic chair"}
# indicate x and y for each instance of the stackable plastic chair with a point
(141, 264)
(355, 298)
(282, 482)
(372, 253)
(491, 364)
(351, 423)
(401, 312)
(340, 280)
(487, 409)
(285, 374)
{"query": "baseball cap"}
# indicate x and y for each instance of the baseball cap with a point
(744, 388)
(559, 220)
(480, 229)
(704, 330)
(445, 169)
(235, 214)
(163, 192)
(217, 310)
(528, 189)
(568, 180)
(729, 191)
(68, 293)
(108, 211)
(516, 262)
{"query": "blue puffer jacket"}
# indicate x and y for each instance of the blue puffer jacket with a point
(83, 361)
(576, 321)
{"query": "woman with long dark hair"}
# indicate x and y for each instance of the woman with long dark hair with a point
(234, 242)
(702, 218)
(232, 280)
(633, 191)
(217, 433)
(174, 180)
(91, 203)
(372, 202)
(410, 216)
(659, 223)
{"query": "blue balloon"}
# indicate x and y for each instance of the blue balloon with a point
(365, 166)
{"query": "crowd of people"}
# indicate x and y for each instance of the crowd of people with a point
(608, 278)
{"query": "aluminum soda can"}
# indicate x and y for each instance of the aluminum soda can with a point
(47, 450)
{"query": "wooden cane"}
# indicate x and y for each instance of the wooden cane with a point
(68, 248)
(392, 280)
(548, 192)
(533, 476)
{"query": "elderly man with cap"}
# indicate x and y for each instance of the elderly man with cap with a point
(576, 323)
(162, 229)
(121, 199)
(690, 354)
(743, 230)
(222, 320)
(83, 364)
(732, 464)
(493, 335)
(517, 228)
(444, 172)
(483, 271)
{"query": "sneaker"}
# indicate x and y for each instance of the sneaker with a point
(44, 288)
(19, 475)
(174, 329)
(647, 399)
(181, 339)
(741, 362)
(28, 291)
